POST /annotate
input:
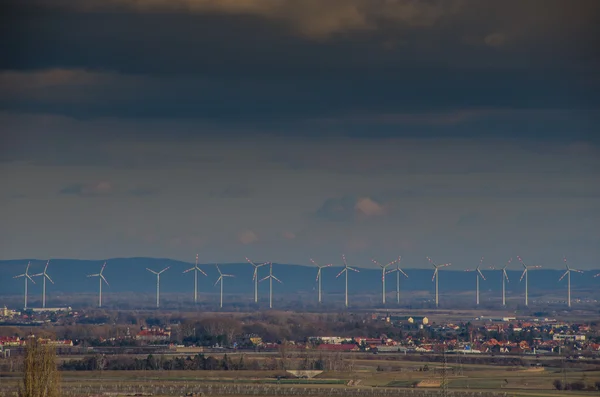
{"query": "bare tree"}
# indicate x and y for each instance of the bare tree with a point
(40, 374)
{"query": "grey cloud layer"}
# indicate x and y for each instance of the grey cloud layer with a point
(385, 197)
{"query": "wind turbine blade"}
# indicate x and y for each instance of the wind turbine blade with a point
(351, 268)
(597, 275)
(327, 265)
(201, 271)
(377, 263)
(432, 262)
(481, 274)
(505, 275)
(219, 270)
(402, 271)
(48, 277)
(434, 274)
(94, 275)
(318, 274)
(340, 273)
(46, 267)
(563, 276)
(523, 275)
(103, 266)
(278, 280)
(217, 282)
(30, 279)
(151, 271)
(391, 263)
(37, 274)
(164, 270)
(250, 262)
(189, 270)
(575, 270)
(313, 262)
(20, 275)
(229, 275)
(391, 271)
(27, 268)
(102, 276)
(263, 279)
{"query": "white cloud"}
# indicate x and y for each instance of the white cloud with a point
(368, 207)
(248, 237)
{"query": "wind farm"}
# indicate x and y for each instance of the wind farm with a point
(328, 292)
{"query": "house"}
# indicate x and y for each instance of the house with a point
(153, 334)
(338, 348)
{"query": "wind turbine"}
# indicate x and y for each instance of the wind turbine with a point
(568, 274)
(478, 274)
(436, 277)
(398, 271)
(345, 270)
(26, 276)
(271, 277)
(221, 278)
(100, 278)
(383, 273)
(45, 275)
(525, 271)
(319, 275)
(158, 283)
(196, 269)
(255, 277)
(504, 280)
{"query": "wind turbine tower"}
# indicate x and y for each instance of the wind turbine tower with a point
(436, 278)
(319, 275)
(45, 275)
(525, 274)
(255, 277)
(345, 270)
(27, 277)
(398, 271)
(478, 274)
(220, 279)
(383, 273)
(100, 279)
(196, 269)
(568, 274)
(271, 277)
(504, 280)
(158, 283)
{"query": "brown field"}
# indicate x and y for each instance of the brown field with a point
(372, 375)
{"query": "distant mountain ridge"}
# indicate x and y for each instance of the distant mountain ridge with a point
(130, 275)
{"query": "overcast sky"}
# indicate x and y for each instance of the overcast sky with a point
(285, 130)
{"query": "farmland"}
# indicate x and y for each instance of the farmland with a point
(367, 376)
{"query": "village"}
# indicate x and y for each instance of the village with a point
(413, 334)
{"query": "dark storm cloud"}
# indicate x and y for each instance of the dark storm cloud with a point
(271, 61)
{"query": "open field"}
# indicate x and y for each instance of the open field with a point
(372, 377)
